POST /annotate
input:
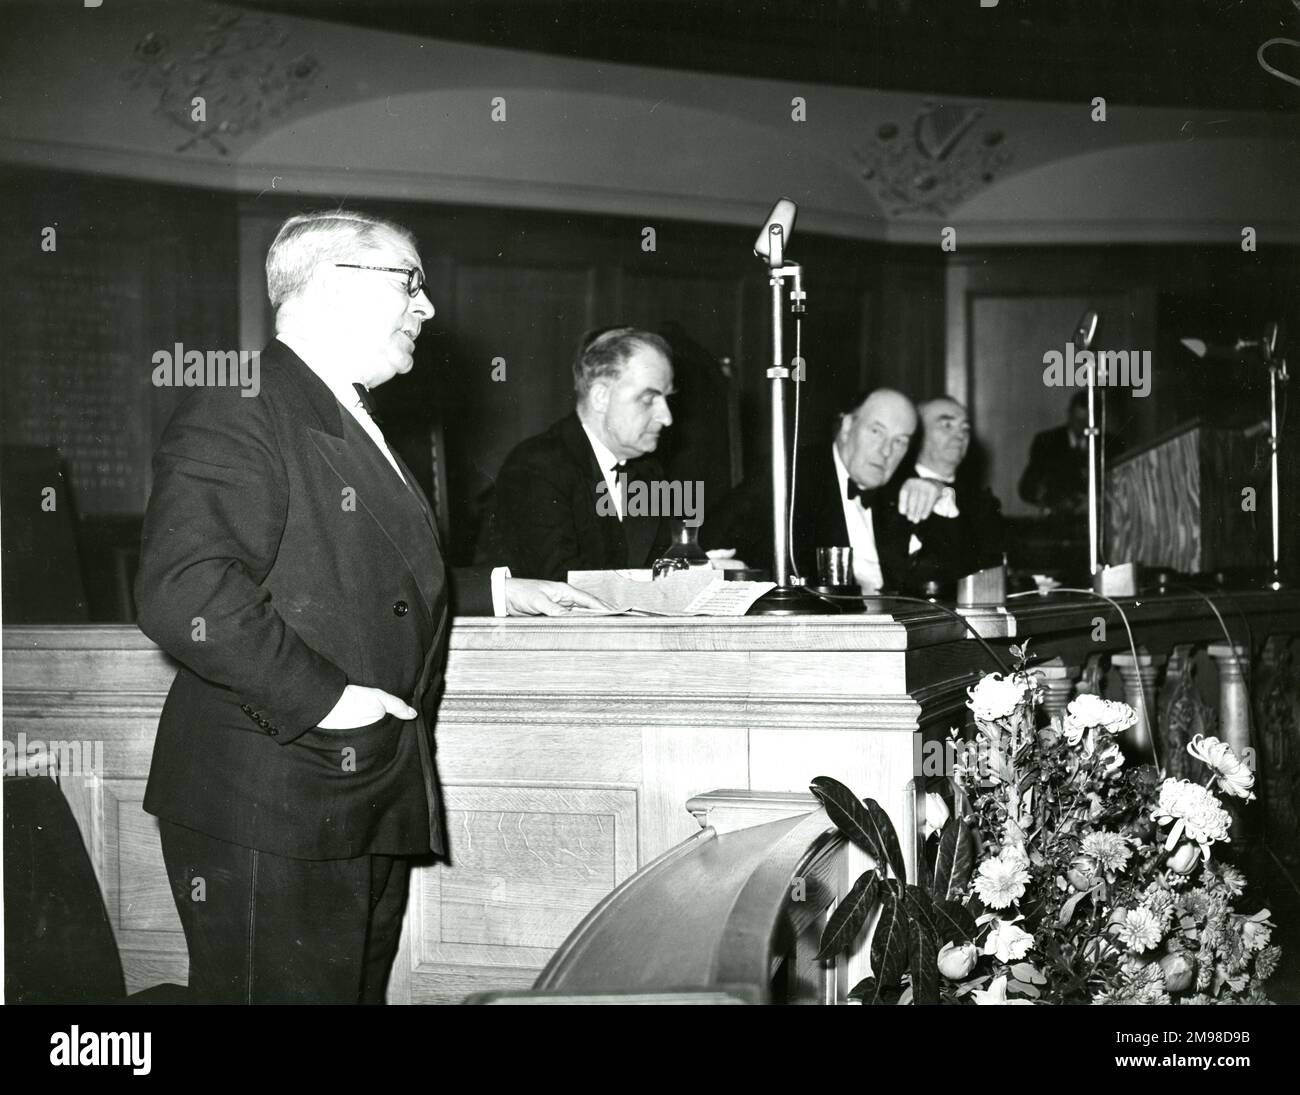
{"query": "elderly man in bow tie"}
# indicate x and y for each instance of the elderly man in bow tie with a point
(290, 563)
(846, 495)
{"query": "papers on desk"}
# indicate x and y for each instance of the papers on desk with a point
(699, 591)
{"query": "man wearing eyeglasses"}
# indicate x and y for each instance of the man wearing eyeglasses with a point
(290, 564)
(843, 497)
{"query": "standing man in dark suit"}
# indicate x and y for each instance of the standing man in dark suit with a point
(845, 496)
(963, 533)
(562, 496)
(290, 563)
(1056, 477)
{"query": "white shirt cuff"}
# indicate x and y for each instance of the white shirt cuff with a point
(499, 576)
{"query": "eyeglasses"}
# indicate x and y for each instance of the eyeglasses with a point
(414, 276)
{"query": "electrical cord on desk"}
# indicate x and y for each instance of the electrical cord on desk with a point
(1142, 699)
(832, 597)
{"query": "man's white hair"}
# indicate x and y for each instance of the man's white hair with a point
(309, 239)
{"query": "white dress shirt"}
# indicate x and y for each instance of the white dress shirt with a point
(347, 396)
(609, 465)
(862, 534)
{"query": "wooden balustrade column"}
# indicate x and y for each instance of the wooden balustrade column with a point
(1234, 702)
(1139, 681)
(1058, 686)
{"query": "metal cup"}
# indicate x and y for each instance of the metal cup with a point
(835, 566)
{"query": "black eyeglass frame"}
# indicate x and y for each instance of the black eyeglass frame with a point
(414, 275)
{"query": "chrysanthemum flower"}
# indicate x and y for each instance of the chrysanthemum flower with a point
(995, 697)
(1002, 879)
(1194, 812)
(1231, 773)
(1140, 930)
(1087, 711)
(1110, 850)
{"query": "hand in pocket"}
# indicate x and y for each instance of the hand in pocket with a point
(362, 706)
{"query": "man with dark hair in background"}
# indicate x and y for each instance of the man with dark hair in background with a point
(560, 502)
(1056, 477)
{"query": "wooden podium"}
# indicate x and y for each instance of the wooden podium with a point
(1194, 498)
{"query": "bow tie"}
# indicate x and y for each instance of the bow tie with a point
(367, 401)
(865, 496)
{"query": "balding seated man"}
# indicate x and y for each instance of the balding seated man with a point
(846, 495)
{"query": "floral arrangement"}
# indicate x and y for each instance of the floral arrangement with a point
(1064, 876)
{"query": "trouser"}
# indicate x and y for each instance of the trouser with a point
(267, 929)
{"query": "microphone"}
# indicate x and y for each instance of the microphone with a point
(1243, 349)
(782, 218)
(1086, 331)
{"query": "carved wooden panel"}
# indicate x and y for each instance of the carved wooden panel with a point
(528, 862)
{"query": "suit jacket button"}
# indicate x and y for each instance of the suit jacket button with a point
(400, 608)
(273, 731)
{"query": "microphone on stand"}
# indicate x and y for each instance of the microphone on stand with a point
(1244, 349)
(782, 217)
(1086, 331)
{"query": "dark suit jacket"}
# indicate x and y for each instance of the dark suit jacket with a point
(1057, 473)
(951, 547)
(277, 527)
(744, 520)
(546, 520)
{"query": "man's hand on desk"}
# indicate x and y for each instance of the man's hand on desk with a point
(533, 597)
(725, 559)
(361, 706)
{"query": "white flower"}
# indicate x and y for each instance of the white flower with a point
(1231, 772)
(1140, 930)
(1255, 936)
(995, 698)
(1087, 711)
(996, 993)
(1002, 879)
(936, 812)
(956, 960)
(1008, 941)
(1110, 850)
(1194, 812)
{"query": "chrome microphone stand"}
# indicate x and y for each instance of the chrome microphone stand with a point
(787, 599)
(1277, 375)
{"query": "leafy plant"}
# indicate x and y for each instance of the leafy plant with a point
(916, 921)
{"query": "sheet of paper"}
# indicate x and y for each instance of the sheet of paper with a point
(699, 591)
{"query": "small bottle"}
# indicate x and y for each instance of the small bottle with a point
(684, 552)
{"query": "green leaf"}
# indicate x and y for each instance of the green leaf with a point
(864, 989)
(865, 823)
(923, 957)
(889, 944)
(1028, 973)
(1067, 910)
(849, 916)
(953, 922)
(919, 905)
(956, 859)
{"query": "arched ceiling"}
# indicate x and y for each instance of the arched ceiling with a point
(304, 106)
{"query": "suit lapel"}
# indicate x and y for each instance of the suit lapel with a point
(610, 531)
